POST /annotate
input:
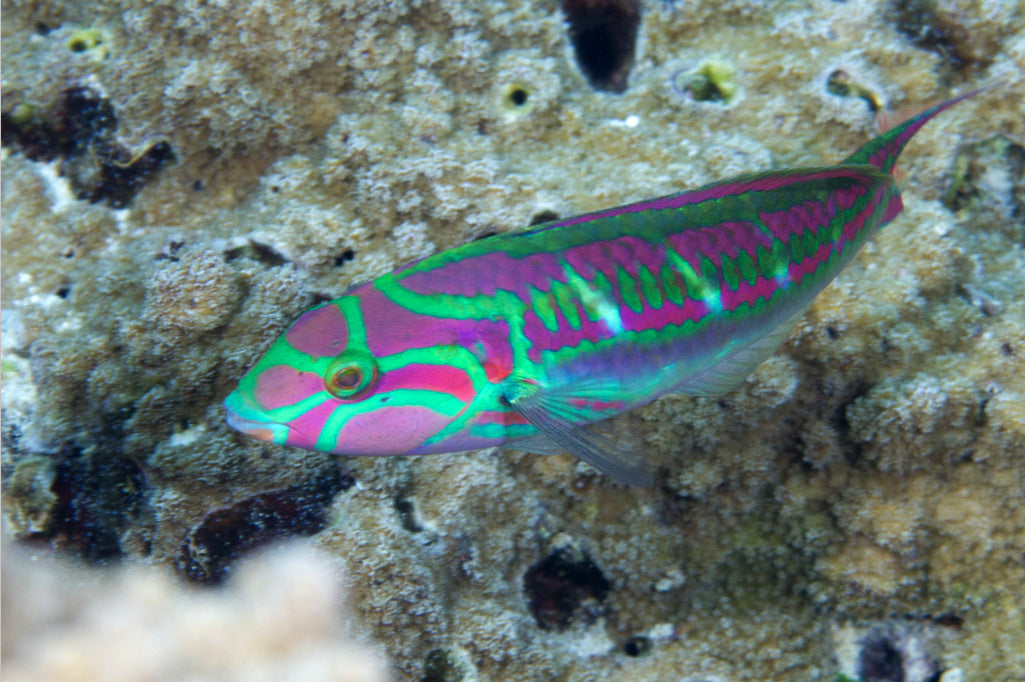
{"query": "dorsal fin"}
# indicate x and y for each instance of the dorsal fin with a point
(883, 151)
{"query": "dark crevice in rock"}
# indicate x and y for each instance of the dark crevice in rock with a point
(604, 37)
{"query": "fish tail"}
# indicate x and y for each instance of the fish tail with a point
(883, 151)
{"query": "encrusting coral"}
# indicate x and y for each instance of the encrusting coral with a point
(870, 472)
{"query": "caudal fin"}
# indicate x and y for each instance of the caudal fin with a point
(883, 151)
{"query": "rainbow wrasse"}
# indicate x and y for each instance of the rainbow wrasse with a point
(526, 339)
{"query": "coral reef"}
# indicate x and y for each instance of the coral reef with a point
(855, 507)
(281, 618)
(79, 132)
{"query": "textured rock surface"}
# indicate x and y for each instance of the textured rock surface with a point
(860, 501)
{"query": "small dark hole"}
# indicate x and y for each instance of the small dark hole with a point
(198, 186)
(518, 97)
(1007, 349)
(69, 253)
(78, 46)
(881, 660)
(544, 217)
(275, 189)
(949, 620)
(267, 255)
(344, 257)
(831, 332)
(838, 83)
(636, 646)
(64, 291)
(407, 515)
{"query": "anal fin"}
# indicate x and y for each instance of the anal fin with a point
(731, 371)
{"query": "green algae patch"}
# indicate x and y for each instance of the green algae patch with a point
(713, 81)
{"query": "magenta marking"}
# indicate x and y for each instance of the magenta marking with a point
(893, 208)
(487, 273)
(670, 314)
(855, 227)
(389, 430)
(848, 196)
(283, 385)
(797, 271)
(304, 429)
(440, 378)
(321, 332)
(392, 328)
(691, 245)
(748, 294)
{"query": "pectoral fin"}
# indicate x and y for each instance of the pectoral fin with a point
(552, 413)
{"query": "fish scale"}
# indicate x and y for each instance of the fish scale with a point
(528, 338)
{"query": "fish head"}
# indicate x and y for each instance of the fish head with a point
(320, 387)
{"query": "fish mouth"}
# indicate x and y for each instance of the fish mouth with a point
(246, 418)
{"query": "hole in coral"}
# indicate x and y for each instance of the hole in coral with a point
(407, 514)
(79, 130)
(344, 257)
(931, 26)
(881, 661)
(637, 646)
(542, 217)
(840, 84)
(267, 255)
(565, 586)
(226, 533)
(94, 498)
(442, 665)
(949, 620)
(604, 37)
(64, 291)
(518, 97)
(78, 45)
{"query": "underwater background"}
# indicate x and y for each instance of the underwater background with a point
(181, 180)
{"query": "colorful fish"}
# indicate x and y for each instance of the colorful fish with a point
(526, 339)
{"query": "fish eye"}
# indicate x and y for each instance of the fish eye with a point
(350, 374)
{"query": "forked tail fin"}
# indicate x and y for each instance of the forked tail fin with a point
(883, 151)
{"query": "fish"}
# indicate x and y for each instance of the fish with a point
(530, 339)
